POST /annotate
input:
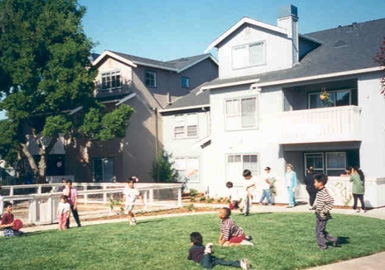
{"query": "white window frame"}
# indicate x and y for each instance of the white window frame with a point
(242, 55)
(150, 82)
(185, 82)
(187, 168)
(236, 118)
(110, 81)
(237, 162)
(183, 125)
(332, 95)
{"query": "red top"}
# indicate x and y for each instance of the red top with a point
(7, 219)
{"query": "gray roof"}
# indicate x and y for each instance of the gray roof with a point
(344, 48)
(195, 98)
(176, 65)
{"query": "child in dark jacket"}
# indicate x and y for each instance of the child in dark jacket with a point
(203, 255)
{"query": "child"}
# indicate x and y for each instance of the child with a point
(198, 253)
(233, 196)
(231, 234)
(63, 212)
(249, 185)
(7, 221)
(266, 187)
(72, 198)
(129, 196)
(324, 204)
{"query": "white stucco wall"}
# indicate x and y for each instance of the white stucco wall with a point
(372, 151)
(278, 51)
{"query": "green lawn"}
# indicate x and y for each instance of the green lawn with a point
(283, 241)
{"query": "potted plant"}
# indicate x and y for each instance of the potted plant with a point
(325, 97)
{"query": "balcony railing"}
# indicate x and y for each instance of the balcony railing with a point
(333, 124)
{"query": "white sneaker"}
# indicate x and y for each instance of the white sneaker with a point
(209, 248)
(133, 222)
(246, 243)
(245, 263)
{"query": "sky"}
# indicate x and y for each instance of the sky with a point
(171, 29)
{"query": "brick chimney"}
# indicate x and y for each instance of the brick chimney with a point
(288, 19)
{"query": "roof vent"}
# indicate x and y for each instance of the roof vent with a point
(183, 59)
(339, 43)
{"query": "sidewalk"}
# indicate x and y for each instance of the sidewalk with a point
(373, 262)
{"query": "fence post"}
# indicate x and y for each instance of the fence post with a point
(39, 189)
(151, 196)
(85, 198)
(32, 206)
(11, 192)
(180, 197)
(145, 200)
(104, 194)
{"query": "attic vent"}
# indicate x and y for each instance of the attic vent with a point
(183, 59)
(339, 43)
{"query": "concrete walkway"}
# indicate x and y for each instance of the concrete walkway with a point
(373, 262)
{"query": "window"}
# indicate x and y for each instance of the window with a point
(150, 78)
(111, 80)
(187, 169)
(103, 170)
(330, 163)
(338, 97)
(185, 82)
(248, 55)
(236, 163)
(241, 113)
(186, 126)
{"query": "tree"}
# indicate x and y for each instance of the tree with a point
(380, 58)
(47, 81)
(162, 169)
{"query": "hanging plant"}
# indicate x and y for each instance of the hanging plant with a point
(325, 97)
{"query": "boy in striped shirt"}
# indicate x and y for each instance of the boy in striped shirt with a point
(231, 234)
(323, 207)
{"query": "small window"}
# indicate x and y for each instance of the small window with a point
(111, 81)
(248, 55)
(187, 169)
(236, 163)
(186, 126)
(150, 78)
(241, 113)
(185, 82)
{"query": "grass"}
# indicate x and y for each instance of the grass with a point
(283, 241)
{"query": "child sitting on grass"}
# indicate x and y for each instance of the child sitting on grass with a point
(231, 234)
(7, 222)
(202, 255)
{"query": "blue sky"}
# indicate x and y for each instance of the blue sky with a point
(170, 29)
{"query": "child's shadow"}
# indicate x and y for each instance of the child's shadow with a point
(343, 240)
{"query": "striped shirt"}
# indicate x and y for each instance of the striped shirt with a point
(229, 229)
(324, 203)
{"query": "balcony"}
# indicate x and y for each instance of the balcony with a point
(335, 124)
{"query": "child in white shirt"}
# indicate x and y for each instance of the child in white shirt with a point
(129, 197)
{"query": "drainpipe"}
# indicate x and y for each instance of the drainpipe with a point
(155, 109)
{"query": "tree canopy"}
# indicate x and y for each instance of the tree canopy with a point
(47, 80)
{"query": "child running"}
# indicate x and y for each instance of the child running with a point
(63, 212)
(130, 194)
(7, 222)
(198, 253)
(231, 234)
(324, 204)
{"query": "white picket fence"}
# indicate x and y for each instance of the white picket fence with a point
(42, 206)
